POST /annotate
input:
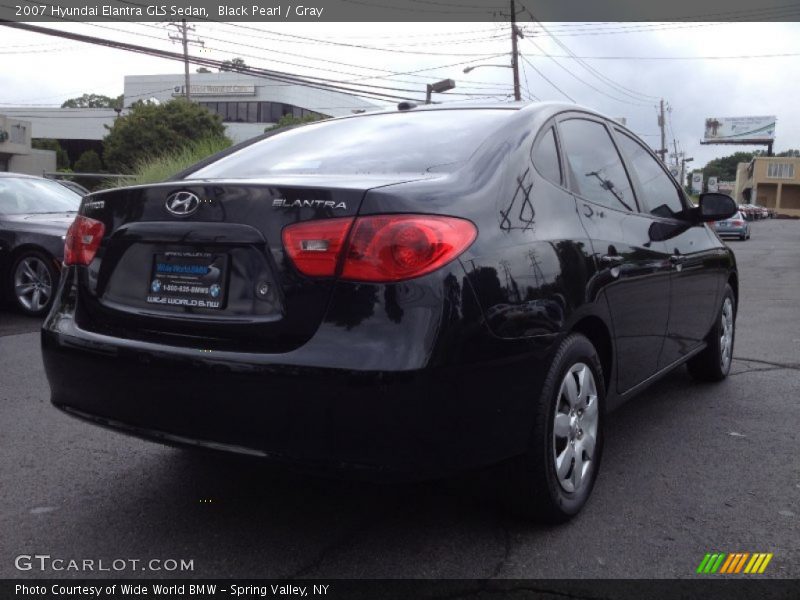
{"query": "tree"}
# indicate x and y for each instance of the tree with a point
(290, 120)
(791, 152)
(237, 64)
(62, 158)
(203, 70)
(149, 130)
(88, 162)
(724, 168)
(94, 101)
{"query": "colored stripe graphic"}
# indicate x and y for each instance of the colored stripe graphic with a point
(728, 564)
(722, 563)
(703, 563)
(741, 562)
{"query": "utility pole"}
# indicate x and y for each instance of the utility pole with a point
(661, 123)
(514, 54)
(183, 37)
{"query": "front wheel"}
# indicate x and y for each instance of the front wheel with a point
(33, 282)
(714, 363)
(553, 480)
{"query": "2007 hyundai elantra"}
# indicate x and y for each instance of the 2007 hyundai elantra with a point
(414, 292)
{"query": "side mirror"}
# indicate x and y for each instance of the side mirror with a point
(716, 207)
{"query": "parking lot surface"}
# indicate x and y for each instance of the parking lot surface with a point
(688, 469)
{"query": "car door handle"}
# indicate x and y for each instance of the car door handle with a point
(612, 259)
(677, 259)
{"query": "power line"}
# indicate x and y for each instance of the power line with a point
(320, 84)
(543, 76)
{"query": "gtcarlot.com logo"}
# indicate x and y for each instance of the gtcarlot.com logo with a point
(45, 562)
(743, 563)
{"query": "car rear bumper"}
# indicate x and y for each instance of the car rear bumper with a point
(732, 231)
(419, 423)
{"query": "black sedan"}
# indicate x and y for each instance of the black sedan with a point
(34, 216)
(415, 292)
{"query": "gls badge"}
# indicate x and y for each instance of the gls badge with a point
(284, 203)
(182, 204)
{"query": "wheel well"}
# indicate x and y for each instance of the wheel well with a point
(597, 332)
(733, 281)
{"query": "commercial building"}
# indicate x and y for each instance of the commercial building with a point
(773, 182)
(16, 153)
(247, 105)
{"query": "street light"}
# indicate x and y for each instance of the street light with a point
(438, 87)
(468, 69)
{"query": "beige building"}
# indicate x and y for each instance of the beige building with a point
(773, 182)
(16, 153)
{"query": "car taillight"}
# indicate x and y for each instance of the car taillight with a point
(380, 248)
(82, 240)
(737, 223)
(315, 246)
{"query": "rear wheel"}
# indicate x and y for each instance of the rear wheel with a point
(33, 280)
(714, 363)
(553, 480)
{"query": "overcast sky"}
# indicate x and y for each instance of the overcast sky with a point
(42, 70)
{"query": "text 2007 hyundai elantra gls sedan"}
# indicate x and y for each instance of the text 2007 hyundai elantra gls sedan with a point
(414, 293)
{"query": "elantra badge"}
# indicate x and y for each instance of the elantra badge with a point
(284, 203)
(182, 204)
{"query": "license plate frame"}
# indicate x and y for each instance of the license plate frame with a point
(187, 279)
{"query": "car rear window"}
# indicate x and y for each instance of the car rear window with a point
(402, 142)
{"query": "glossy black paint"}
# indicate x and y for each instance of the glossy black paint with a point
(425, 376)
(23, 232)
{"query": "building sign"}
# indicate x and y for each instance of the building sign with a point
(697, 182)
(739, 130)
(216, 90)
(712, 184)
(726, 187)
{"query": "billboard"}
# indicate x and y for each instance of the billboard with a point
(712, 184)
(739, 130)
(697, 182)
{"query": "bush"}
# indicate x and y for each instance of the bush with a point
(150, 130)
(165, 165)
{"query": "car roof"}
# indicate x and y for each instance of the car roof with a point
(19, 175)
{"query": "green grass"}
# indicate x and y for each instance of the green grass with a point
(162, 167)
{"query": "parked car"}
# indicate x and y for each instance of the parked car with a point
(34, 216)
(74, 186)
(405, 293)
(737, 226)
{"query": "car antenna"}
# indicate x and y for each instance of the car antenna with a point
(406, 105)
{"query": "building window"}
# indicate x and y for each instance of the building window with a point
(17, 133)
(780, 170)
(255, 112)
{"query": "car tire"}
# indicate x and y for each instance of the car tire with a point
(714, 363)
(743, 237)
(32, 282)
(568, 423)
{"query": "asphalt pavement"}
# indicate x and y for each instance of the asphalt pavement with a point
(688, 469)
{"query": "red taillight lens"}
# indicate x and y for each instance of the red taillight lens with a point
(82, 241)
(315, 246)
(396, 247)
(380, 249)
(737, 223)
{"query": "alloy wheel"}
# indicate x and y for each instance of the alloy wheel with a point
(33, 285)
(726, 334)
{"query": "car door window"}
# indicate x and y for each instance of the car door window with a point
(597, 172)
(545, 157)
(659, 196)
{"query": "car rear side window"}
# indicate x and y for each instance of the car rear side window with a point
(597, 173)
(545, 157)
(402, 142)
(660, 197)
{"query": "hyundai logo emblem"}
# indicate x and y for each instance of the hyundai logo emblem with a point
(182, 204)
